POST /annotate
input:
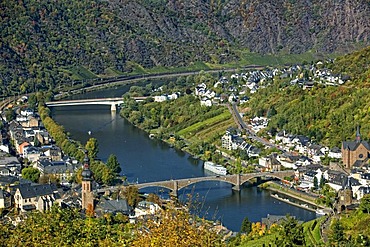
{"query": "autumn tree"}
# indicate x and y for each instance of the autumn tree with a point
(92, 148)
(176, 228)
(131, 193)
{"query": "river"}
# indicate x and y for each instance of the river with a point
(144, 160)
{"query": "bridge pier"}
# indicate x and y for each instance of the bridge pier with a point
(175, 189)
(113, 107)
(237, 186)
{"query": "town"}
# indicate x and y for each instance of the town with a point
(27, 149)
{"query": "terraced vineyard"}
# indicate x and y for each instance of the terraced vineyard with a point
(207, 129)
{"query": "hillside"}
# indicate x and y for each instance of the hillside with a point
(326, 114)
(46, 44)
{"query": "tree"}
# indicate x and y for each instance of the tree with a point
(113, 164)
(92, 148)
(291, 233)
(31, 173)
(246, 226)
(131, 193)
(9, 115)
(315, 183)
(365, 204)
(322, 182)
(336, 236)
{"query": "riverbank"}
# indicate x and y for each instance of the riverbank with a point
(305, 198)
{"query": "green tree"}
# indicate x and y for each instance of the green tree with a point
(290, 233)
(365, 204)
(315, 183)
(9, 115)
(246, 226)
(31, 173)
(92, 148)
(112, 164)
(322, 182)
(336, 237)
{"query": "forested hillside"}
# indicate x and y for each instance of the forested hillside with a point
(326, 114)
(47, 44)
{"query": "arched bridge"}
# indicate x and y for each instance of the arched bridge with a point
(113, 102)
(237, 180)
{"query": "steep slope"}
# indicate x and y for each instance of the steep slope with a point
(52, 39)
(326, 114)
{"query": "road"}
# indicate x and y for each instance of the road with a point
(100, 82)
(250, 132)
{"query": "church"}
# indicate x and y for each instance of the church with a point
(355, 153)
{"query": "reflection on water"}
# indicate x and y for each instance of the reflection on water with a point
(144, 160)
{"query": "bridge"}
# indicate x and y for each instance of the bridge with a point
(237, 180)
(113, 102)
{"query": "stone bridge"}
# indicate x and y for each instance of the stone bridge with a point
(237, 180)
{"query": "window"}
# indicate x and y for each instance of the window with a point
(361, 156)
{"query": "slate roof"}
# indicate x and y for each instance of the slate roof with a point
(113, 206)
(7, 180)
(55, 167)
(29, 191)
(353, 145)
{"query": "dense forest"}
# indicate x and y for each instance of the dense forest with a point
(49, 45)
(327, 114)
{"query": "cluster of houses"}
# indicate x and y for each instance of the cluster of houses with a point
(232, 140)
(35, 148)
(348, 168)
(237, 85)
(165, 97)
(353, 173)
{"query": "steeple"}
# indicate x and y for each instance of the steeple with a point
(358, 135)
(87, 196)
(86, 172)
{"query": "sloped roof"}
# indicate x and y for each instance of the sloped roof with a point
(114, 205)
(29, 191)
(353, 145)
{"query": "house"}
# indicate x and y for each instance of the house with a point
(146, 208)
(35, 197)
(355, 151)
(227, 142)
(160, 98)
(60, 169)
(26, 112)
(113, 206)
(335, 153)
(205, 102)
(270, 163)
(11, 163)
(4, 147)
(273, 220)
(5, 199)
(31, 153)
(53, 153)
(43, 137)
(363, 190)
(30, 122)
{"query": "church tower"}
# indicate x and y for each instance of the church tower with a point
(87, 194)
